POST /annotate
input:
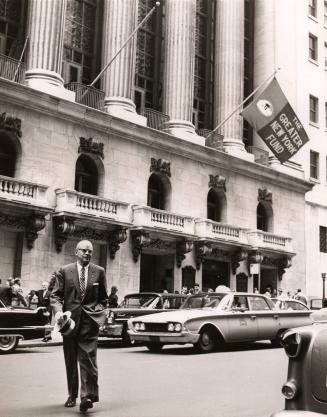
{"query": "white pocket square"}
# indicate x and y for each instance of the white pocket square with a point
(96, 283)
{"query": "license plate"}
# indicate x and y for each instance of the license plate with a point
(154, 338)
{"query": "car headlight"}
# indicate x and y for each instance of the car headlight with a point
(291, 343)
(139, 326)
(289, 390)
(174, 327)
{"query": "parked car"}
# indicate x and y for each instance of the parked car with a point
(289, 304)
(135, 305)
(210, 320)
(21, 323)
(305, 389)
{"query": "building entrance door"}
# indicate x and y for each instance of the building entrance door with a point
(268, 278)
(157, 273)
(214, 273)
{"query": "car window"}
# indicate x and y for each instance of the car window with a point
(203, 301)
(258, 303)
(240, 301)
(138, 301)
(295, 306)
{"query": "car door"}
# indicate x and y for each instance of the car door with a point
(267, 319)
(242, 322)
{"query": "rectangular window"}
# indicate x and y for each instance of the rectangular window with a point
(313, 50)
(323, 239)
(325, 60)
(314, 164)
(326, 115)
(313, 8)
(313, 109)
(325, 13)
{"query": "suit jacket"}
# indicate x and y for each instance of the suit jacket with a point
(43, 300)
(66, 294)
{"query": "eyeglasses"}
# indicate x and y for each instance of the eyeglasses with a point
(86, 250)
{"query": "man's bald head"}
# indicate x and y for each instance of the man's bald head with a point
(84, 251)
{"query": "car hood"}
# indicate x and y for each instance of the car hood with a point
(179, 315)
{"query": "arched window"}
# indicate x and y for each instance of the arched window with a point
(264, 217)
(7, 157)
(213, 206)
(156, 192)
(86, 175)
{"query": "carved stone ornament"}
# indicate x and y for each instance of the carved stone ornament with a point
(88, 146)
(237, 257)
(34, 224)
(282, 264)
(255, 257)
(12, 221)
(115, 239)
(264, 195)
(63, 227)
(13, 124)
(218, 182)
(139, 240)
(90, 234)
(160, 166)
(181, 249)
(201, 251)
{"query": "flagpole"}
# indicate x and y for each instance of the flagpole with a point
(21, 58)
(125, 43)
(245, 100)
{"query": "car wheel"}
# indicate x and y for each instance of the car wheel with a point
(154, 347)
(207, 341)
(8, 343)
(277, 342)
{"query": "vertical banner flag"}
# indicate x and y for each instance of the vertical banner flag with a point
(276, 123)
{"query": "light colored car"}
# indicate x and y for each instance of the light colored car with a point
(305, 390)
(289, 304)
(209, 320)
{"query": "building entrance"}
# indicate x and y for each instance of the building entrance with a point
(157, 273)
(214, 273)
(268, 278)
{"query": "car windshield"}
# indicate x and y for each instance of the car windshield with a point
(211, 300)
(139, 300)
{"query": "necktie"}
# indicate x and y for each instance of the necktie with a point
(82, 281)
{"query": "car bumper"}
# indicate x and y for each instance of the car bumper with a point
(296, 413)
(114, 330)
(184, 337)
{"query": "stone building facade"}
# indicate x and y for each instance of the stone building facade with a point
(129, 162)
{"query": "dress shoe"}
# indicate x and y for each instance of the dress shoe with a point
(71, 402)
(86, 403)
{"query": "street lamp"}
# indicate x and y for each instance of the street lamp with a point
(323, 276)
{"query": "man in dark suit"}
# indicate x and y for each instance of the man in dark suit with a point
(81, 288)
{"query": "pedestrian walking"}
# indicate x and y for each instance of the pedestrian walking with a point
(300, 296)
(113, 297)
(80, 290)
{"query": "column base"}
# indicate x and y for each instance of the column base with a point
(184, 130)
(48, 82)
(123, 108)
(237, 148)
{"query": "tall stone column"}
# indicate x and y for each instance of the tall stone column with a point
(179, 68)
(120, 20)
(229, 73)
(46, 25)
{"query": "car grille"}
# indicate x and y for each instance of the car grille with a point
(156, 327)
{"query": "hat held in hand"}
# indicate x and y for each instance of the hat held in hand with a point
(65, 324)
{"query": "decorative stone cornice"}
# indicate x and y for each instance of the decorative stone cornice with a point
(12, 221)
(13, 124)
(63, 227)
(160, 166)
(90, 234)
(34, 224)
(115, 239)
(88, 146)
(181, 249)
(139, 240)
(264, 195)
(202, 250)
(217, 181)
(237, 257)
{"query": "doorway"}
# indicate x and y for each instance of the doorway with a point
(214, 273)
(157, 273)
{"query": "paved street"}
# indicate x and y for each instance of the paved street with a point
(237, 382)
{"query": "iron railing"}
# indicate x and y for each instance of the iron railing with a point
(12, 69)
(87, 95)
(213, 139)
(260, 155)
(155, 119)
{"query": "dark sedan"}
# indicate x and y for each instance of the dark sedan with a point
(138, 304)
(21, 323)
